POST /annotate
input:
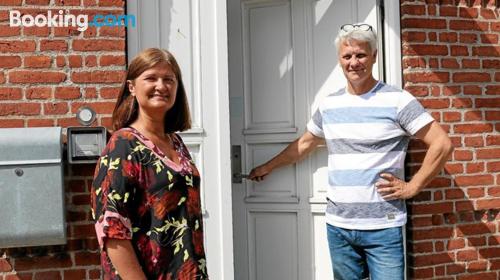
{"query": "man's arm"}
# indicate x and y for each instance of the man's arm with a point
(294, 152)
(439, 149)
(122, 255)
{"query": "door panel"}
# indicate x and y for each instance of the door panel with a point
(281, 59)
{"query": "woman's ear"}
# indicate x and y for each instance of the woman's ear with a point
(131, 87)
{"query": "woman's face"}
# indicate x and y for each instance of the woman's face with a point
(155, 89)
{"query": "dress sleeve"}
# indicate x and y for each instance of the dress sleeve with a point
(112, 191)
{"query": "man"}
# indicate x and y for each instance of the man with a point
(366, 127)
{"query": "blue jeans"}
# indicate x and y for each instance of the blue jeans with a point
(357, 254)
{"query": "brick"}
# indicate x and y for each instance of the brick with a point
(7, 31)
(90, 93)
(476, 77)
(461, 103)
(37, 61)
(19, 276)
(8, 123)
(468, 12)
(454, 194)
(87, 259)
(11, 2)
(65, 122)
(76, 274)
(452, 269)
(491, 63)
(60, 61)
(450, 63)
(475, 167)
(47, 275)
(472, 90)
(459, 51)
(109, 60)
(494, 191)
(452, 116)
(468, 38)
(110, 93)
(454, 244)
(492, 115)
(432, 259)
(111, 3)
(413, 36)
(493, 166)
(419, 273)
(454, 168)
(441, 103)
(426, 77)
(89, 3)
(471, 63)
(82, 231)
(480, 265)
(486, 51)
(422, 50)
(5, 265)
(462, 155)
(8, 61)
(30, 77)
(98, 107)
(67, 93)
(17, 46)
(69, 31)
(475, 229)
(55, 108)
(475, 180)
(36, 31)
(98, 45)
(40, 122)
(423, 24)
(53, 45)
(75, 61)
(38, 93)
(112, 31)
(91, 61)
(8, 93)
(43, 262)
(37, 2)
(487, 14)
(98, 77)
(83, 199)
(433, 63)
(493, 140)
(489, 39)
(488, 153)
(461, 206)
(447, 11)
(67, 2)
(493, 89)
(19, 109)
(443, 207)
(487, 102)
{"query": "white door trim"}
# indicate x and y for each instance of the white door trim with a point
(392, 43)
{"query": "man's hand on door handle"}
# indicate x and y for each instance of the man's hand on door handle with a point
(259, 173)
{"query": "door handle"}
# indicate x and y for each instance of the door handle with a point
(236, 165)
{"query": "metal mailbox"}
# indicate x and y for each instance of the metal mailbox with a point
(31, 187)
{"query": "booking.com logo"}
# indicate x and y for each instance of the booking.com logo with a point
(60, 19)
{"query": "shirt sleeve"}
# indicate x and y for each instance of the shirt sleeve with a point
(112, 191)
(412, 116)
(315, 124)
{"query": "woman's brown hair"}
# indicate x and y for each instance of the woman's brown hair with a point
(127, 109)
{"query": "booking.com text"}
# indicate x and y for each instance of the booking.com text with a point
(61, 19)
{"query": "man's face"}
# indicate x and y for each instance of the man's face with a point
(356, 59)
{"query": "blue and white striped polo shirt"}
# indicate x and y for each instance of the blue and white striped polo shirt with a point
(366, 135)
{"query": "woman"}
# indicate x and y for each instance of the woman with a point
(146, 188)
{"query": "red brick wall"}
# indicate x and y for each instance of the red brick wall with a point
(451, 62)
(46, 74)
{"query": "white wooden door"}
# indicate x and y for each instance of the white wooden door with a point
(281, 57)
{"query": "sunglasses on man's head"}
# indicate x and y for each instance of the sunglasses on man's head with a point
(363, 27)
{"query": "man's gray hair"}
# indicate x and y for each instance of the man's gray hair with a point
(357, 34)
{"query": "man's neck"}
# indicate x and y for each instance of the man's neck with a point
(362, 87)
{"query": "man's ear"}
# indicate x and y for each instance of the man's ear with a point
(375, 54)
(131, 87)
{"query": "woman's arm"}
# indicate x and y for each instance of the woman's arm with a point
(124, 259)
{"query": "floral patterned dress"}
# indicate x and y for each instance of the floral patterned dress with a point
(140, 195)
